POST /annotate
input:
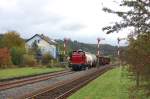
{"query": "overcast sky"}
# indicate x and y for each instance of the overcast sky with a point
(80, 20)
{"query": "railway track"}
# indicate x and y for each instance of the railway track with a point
(24, 81)
(80, 85)
(63, 89)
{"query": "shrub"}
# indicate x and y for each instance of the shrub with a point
(17, 55)
(5, 58)
(46, 59)
(29, 60)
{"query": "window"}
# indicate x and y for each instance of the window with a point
(38, 41)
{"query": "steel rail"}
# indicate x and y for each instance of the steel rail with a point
(75, 88)
(60, 84)
(30, 80)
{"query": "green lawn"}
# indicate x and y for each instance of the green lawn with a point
(113, 84)
(17, 72)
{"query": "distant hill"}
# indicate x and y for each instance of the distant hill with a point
(105, 49)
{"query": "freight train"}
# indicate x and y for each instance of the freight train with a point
(81, 60)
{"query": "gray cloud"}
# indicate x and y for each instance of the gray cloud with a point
(72, 27)
(28, 16)
(54, 18)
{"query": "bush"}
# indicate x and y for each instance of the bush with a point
(5, 58)
(17, 55)
(46, 59)
(29, 60)
(54, 63)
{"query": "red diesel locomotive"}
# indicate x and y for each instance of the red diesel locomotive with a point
(80, 60)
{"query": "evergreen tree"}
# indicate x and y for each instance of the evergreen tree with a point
(17, 55)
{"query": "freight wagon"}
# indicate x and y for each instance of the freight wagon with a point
(104, 60)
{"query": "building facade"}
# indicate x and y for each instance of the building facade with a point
(45, 44)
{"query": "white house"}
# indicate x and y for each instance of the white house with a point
(45, 44)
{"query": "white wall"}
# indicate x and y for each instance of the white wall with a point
(43, 45)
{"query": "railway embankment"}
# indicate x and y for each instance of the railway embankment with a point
(114, 84)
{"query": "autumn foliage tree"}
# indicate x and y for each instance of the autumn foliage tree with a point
(5, 59)
(12, 39)
(15, 45)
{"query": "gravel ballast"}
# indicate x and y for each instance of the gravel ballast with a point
(17, 92)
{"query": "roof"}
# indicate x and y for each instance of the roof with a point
(47, 39)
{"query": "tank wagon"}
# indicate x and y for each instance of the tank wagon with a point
(80, 60)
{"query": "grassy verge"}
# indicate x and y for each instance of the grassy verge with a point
(113, 84)
(26, 71)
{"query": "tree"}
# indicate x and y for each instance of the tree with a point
(138, 51)
(5, 58)
(17, 55)
(16, 46)
(137, 17)
(36, 51)
(12, 39)
(1, 36)
(34, 46)
(138, 58)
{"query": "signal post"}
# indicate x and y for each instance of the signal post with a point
(98, 48)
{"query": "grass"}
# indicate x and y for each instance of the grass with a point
(26, 71)
(113, 84)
